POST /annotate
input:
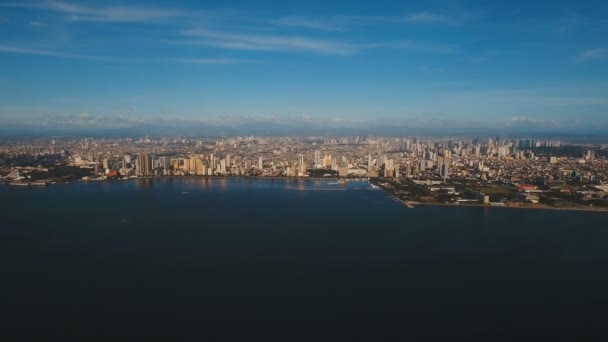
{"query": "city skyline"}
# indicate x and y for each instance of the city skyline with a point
(478, 171)
(463, 67)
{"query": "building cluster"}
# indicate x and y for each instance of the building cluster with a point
(428, 159)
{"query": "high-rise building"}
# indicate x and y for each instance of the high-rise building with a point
(223, 166)
(144, 165)
(390, 164)
(317, 158)
(327, 160)
(302, 166)
(261, 164)
(445, 169)
(165, 163)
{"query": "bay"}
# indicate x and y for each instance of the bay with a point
(217, 259)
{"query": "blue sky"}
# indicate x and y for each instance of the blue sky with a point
(105, 64)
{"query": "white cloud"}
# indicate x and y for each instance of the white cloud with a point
(451, 17)
(28, 51)
(257, 42)
(518, 120)
(36, 24)
(212, 61)
(308, 23)
(593, 55)
(51, 53)
(88, 120)
(454, 17)
(106, 14)
(269, 42)
(408, 45)
(425, 18)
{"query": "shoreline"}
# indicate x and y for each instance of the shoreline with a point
(406, 203)
(51, 182)
(413, 205)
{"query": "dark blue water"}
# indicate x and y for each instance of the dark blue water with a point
(238, 259)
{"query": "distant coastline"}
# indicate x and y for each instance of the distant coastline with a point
(413, 205)
(407, 203)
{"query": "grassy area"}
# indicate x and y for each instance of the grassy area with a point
(61, 174)
(494, 190)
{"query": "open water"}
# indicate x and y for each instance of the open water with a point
(219, 259)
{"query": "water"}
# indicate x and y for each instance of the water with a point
(217, 259)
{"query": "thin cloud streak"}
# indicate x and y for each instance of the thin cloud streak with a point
(425, 18)
(238, 41)
(593, 55)
(449, 18)
(212, 61)
(50, 53)
(454, 18)
(269, 42)
(308, 23)
(408, 45)
(118, 14)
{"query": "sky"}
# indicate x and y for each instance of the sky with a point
(434, 65)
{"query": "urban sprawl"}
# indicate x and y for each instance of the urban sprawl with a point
(457, 171)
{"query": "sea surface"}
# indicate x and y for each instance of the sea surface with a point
(240, 259)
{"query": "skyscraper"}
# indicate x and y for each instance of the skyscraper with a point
(144, 165)
(302, 165)
(223, 166)
(380, 160)
(445, 169)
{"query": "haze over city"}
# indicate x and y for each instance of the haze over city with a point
(312, 67)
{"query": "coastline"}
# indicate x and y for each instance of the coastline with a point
(413, 205)
(406, 203)
(52, 182)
